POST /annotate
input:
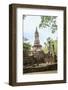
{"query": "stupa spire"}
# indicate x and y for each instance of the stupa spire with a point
(37, 41)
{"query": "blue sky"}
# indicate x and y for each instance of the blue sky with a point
(30, 23)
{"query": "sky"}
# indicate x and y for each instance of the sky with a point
(29, 27)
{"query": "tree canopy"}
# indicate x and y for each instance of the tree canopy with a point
(26, 46)
(52, 46)
(48, 21)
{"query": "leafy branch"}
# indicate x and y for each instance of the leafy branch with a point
(48, 21)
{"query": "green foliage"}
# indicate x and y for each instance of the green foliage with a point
(26, 46)
(49, 39)
(52, 43)
(53, 47)
(48, 21)
(45, 49)
(26, 49)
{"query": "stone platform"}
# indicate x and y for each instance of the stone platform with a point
(41, 68)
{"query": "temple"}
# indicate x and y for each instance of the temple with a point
(37, 46)
(36, 60)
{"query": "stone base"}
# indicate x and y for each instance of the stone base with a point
(39, 68)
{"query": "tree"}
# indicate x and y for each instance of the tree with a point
(26, 48)
(50, 46)
(48, 21)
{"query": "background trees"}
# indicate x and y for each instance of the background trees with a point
(26, 46)
(49, 21)
(50, 46)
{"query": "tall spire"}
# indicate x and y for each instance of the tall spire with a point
(36, 33)
(36, 29)
(37, 41)
(36, 37)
